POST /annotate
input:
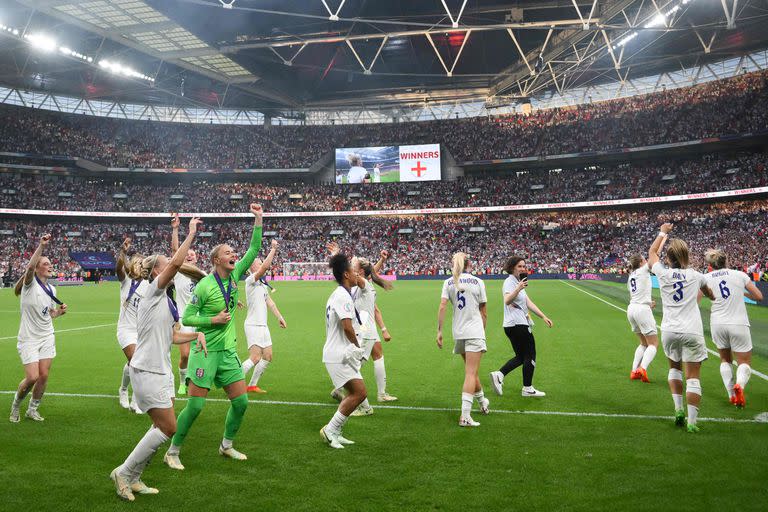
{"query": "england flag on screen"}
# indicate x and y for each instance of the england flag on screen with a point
(420, 163)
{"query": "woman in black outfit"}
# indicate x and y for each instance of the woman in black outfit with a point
(518, 328)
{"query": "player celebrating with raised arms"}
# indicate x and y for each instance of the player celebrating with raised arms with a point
(151, 370)
(256, 330)
(467, 295)
(342, 354)
(210, 312)
(36, 342)
(518, 327)
(185, 287)
(131, 291)
(682, 333)
(729, 323)
(640, 316)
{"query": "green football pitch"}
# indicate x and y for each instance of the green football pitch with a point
(598, 441)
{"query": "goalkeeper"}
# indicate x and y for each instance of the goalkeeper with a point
(210, 311)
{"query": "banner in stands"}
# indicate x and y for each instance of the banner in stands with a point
(744, 192)
(388, 164)
(94, 260)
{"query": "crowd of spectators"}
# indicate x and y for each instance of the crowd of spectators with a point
(713, 172)
(733, 105)
(565, 241)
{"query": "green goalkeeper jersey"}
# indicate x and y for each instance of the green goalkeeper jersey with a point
(208, 301)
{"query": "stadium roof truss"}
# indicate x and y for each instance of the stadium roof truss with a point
(137, 25)
(598, 52)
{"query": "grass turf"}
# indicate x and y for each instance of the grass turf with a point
(405, 459)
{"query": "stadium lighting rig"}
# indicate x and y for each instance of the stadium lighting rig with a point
(48, 44)
(660, 20)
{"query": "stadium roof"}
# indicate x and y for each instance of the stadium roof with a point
(292, 55)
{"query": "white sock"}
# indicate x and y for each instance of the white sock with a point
(261, 366)
(743, 372)
(365, 405)
(678, 399)
(693, 413)
(126, 377)
(247, 366)
(173, 449)
(380, 373)
(34, 404)
(479, 396)
(639, 351)
(226, 443)
(142, 453)
(466, 404)
(726, 372)
(648, 356)
(337, 422)
(183, 376)
(16, 399)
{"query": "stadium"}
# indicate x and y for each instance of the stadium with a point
(224, 216)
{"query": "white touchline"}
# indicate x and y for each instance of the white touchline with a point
(430, 409)
(754, 372)
(68, 330)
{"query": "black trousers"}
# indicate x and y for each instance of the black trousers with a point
(524, 346)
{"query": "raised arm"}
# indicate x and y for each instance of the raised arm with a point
(380, 264)
(654, 253)
(175, 263)
(510, 297)
(175, 232)
(254, 247)
(29, 273)
(120, 264)
(267, 263)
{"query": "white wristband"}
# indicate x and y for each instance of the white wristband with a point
(662, 234)
(383, 329)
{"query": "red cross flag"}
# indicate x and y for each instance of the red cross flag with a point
(420, 163)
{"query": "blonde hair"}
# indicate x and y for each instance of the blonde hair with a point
(354, 159)
(147, 266)
(716, 258)
(678, 253)
(133, 266)
(459, 264)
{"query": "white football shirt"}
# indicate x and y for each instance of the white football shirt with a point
(365, 301)
(36, 306)
(640, 285)
(467, 322)
(728, 308)
(517, 312)
(679, 294)
(126, 322)
(185, 288)
(256, 294)
(340, 306)
(155, 332)
(356, 174)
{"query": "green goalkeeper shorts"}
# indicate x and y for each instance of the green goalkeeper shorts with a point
(220, 368)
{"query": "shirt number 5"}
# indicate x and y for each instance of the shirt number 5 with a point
(461, 301)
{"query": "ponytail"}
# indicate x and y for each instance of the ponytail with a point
(147, 266)
(371, 272)
(459, 264)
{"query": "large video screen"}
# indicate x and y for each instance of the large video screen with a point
(388, 164)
